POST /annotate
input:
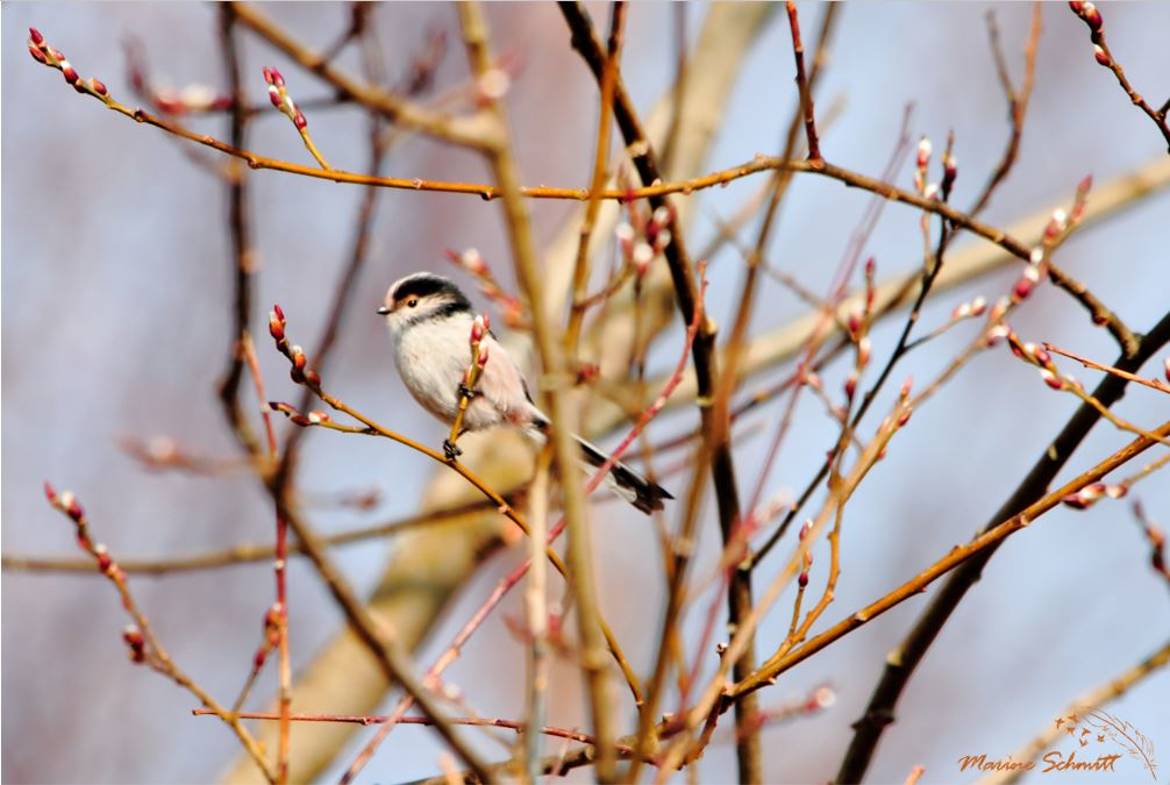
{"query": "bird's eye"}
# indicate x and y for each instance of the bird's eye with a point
(412, 302)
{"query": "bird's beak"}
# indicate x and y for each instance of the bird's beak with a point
(383, 310)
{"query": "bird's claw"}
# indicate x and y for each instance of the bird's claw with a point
(467, 392)
(451, 450)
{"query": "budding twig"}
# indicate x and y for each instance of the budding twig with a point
(1092, 18)
(143, 646)
(278, 94)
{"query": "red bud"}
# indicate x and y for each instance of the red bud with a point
(299, 121)
(35, 36)
(38, 55)
(51, 492)
(1102, 56)
(1022, 289)
(98, 87)
(70, 75)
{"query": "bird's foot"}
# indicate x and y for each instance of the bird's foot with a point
(451, 450)
(467, 392)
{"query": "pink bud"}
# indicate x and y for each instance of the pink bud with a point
(643, 255)
(67, 71)
(299, 121)
(313, 378)
(904, 417)
(35, 36)
(863, 350)
(978, 306)
(1043, 357)
(1101, 55)
(854, 322)
(851, 386)
(37, 54)
(104, 562)
(276, 309)
(473, 261)
(802, 579)
(1051, 379)
(870, 267)
(275, 326)
(50, 493)
(98, 87)
(1022, 289)
(924, 150)
(482, 360)
(1091, 15)
(274, 97)
(298, 358)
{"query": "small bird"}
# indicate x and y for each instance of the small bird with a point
(430, 322)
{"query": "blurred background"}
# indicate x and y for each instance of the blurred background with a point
(117, 275)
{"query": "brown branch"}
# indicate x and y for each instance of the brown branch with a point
(901, 665)
(957, 558)
(552, 363)
(144, 646)
(722, 467)
(1092, 18)
(249, 553)
(802, 83)
(1156, 384)
(462, 131)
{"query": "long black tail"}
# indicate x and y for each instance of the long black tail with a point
(626, 482)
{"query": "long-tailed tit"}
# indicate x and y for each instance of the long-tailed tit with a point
(430, 322)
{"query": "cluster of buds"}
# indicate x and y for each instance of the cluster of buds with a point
(950, 165)
(1092, 18)
(67, 503)
(278, 95)
(857, 323)
(168, 100)
(996, 329)
(806, 564)
(299, 373)
(969, 310)
(1089, 495)
(54, 58)
(1056, 230)
(1039, 356)
(297, 418)
(510, 306)
(479, 353)
(642, 239)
